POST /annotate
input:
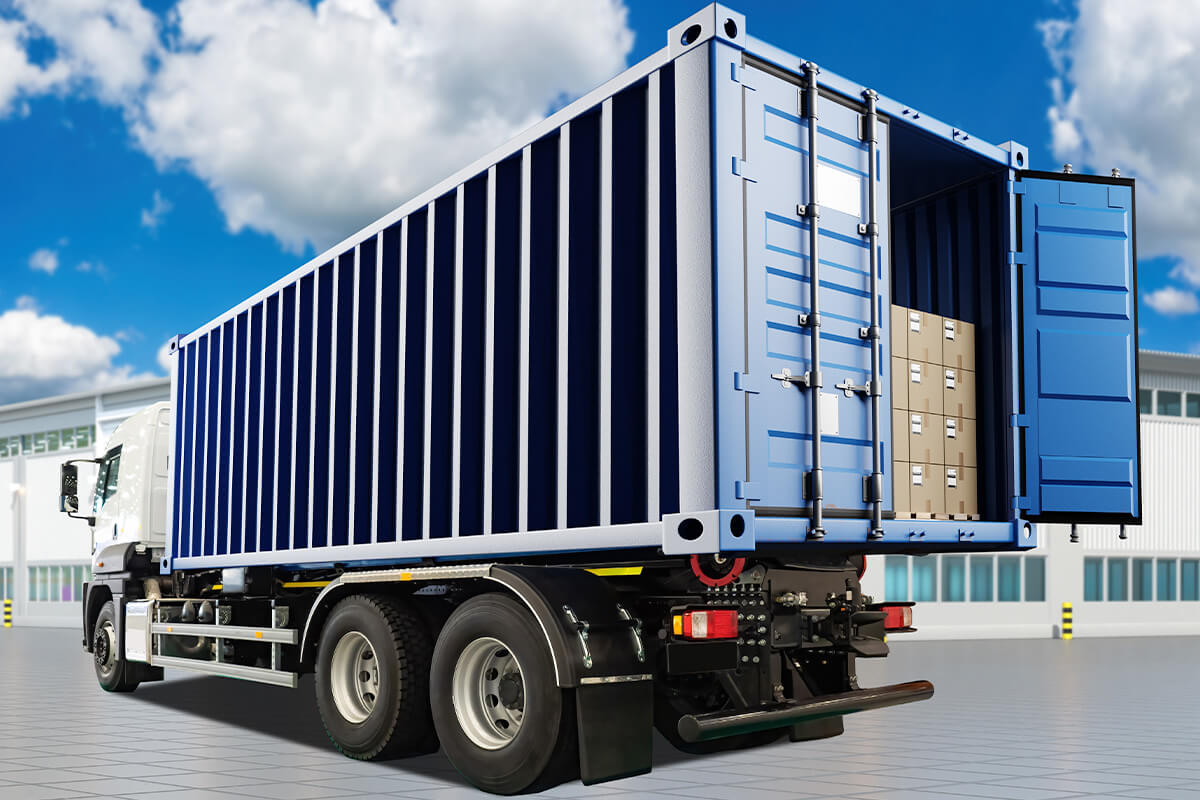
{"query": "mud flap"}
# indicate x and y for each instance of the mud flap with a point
(616, 726)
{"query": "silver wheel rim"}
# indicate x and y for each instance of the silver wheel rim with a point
(488, 692)
(354, 677)
(110, 652)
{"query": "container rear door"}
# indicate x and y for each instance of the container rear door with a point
(1078, 296)
(779, 447)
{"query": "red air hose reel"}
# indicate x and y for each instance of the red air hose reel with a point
(717, 571)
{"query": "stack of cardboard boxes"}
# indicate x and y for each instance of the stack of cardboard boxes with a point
(933, 407)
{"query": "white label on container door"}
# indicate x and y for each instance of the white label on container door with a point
(916, 423)
(950, 329)
(950, 376)
(829, 414)
(914, 321)
(839, 189)
(951, 428)
(918, 475)
(951, 478)
(914, 372)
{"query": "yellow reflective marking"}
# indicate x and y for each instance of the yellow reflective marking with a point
(258, 634)
(216, 587)
(610, 571)
(406, 576)
(305, 584)
(677, 625)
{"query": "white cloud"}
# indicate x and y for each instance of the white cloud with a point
(27, 303)
(1172, 302)
(1126, 96)
(19, 77)
(159, 206)
(164, 357)
(43, 355)
(44, 260)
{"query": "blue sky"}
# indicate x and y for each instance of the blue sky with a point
(83, 182)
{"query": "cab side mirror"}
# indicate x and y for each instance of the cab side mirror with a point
(68, 491)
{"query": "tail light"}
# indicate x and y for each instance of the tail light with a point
(706, 624)
(897, 618)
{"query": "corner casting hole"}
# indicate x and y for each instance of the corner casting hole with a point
(690, 529)
(731, 29)
(1020, 159)
(690, 35)
(737, 525)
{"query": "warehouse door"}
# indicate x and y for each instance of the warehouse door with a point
(778, 280)
(1078, 297)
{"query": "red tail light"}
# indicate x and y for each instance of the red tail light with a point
(897, 617)
(707, 624)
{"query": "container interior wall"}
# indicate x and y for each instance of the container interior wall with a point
(503, 359)
(949, 244)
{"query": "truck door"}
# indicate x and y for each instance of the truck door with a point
(778, 275)
(1078, 362)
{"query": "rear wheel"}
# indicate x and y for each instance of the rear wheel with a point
(373, 679)
(501, 718)
(114, 673)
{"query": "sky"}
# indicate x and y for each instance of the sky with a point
(165, 160)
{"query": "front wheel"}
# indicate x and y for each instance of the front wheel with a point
(502, 720)
(114, 673)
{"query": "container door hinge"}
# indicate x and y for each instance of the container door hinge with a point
(744, 383)
(745, 490)
(852, 389)
(742, 170)
(1016, 187)
(1015, 257)
(739, 74)
(786, 378)
(1018, 421)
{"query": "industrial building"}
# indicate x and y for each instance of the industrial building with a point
(45, 555)
(1145, 584)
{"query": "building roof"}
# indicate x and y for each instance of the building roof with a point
(108, 396)
(1162, 361)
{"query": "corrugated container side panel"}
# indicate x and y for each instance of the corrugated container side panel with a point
(364, 394)
(506, 351)
(212, 470)
(237, 435)
(254, 425)
(389, 388)
(668, 421)
(343, 411)
(542, 495)
(441, 418)
(476, 317)
(583, 464)
(414, 367)
(185, 414)
(322, 405)
(268, 465)
(284, 417)
(628, 379)
(302, 403)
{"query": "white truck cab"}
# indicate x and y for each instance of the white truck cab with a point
(129, 505)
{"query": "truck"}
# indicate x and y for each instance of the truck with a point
(595, 436)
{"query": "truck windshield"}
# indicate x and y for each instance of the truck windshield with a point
(106, 480)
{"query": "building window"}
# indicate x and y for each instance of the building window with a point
(1145, 401)
(981, 579)
(1166, 579)
(1093, 579)
(1189, 579)
(1169, 404)
(1193, 405)
(924, 579)
(954, 579)
(895, 579)
(1143, 579)
(1035, 579)
(6, 586)
(1008, 579)
(1118, 579)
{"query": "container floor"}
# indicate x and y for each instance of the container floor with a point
(1098, 718)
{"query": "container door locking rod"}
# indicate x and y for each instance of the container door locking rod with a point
(872, 334)
(813, 213)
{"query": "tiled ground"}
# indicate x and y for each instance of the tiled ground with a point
(1039, 720)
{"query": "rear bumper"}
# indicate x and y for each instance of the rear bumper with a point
(717, 724)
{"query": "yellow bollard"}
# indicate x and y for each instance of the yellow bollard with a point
(1067, 622)
(7, 613)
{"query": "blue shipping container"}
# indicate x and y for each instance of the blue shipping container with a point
(600, 337)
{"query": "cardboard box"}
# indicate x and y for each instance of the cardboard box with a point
(900, 486)
(924, 337)
(899, 383)
(960, 443)
(927, 488)
(899, 332)
(958, 344)
(900, 435)
(926, 437)
(959, 391)
(962, 490)
(925, 382)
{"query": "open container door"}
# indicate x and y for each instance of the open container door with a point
(1078, 304)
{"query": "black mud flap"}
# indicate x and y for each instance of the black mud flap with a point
(616, 727)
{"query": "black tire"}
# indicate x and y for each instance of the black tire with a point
(114, 673)
(544, 750)
(398, 721)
